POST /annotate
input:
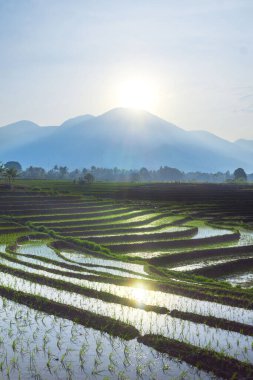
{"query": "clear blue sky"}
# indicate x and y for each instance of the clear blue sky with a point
(62, 58)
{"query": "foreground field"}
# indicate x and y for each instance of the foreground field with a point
(125, 282)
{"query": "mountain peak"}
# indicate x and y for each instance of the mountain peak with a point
(22, 124)
(126, 112)
(132, 116)
(77, 120)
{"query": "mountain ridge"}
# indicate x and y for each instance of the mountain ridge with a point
(125, 138)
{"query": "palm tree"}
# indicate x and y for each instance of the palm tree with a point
(1, 169)
(10, 174)
(63, 171)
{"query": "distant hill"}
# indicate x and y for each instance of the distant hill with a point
(124, 138)
(21, 133)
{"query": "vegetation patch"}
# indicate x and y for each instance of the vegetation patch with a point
(224, 366)
(221, 323)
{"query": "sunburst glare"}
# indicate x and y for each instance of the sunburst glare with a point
(139, 294)
(137, 93)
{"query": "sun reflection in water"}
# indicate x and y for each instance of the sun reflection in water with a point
(139, 294)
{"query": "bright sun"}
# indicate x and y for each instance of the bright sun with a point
(137, 93)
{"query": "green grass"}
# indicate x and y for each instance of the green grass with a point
(11, 238)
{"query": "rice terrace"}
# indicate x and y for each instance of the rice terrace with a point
(126, 190)
(126, 281)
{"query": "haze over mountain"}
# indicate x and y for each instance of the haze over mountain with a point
(122, 137)
(21, 133)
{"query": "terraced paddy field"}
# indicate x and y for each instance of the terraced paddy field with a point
(99, 283)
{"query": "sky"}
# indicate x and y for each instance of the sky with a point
(192, 59)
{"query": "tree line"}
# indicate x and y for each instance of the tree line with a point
(13, 169)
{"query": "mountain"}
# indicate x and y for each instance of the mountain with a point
(21, 133)
(126, 138)
(76, 120)
(245, 144)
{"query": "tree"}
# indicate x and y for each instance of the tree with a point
(10, 174)
(34, 172)
(134, 177)
(144, 174)
(240, 175)
(169, 174)
(75, 174)
(63, 171)
(89, 178)
(1, 169)
(13, 164)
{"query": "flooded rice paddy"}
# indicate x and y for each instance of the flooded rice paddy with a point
(36, 345)
(143, 294)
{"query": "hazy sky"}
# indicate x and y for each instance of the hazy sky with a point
(62, 58)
